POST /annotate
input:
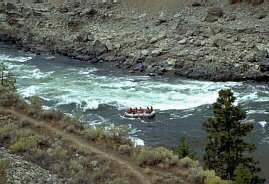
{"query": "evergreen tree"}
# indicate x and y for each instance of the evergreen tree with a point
(226, 148)
(7, 79)
(183, 149)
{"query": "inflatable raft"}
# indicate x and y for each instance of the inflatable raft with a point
(140, 115)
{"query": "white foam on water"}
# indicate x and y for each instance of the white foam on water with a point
(16, 59)
(29, 91)
(137, 141)
(87, 71)
(262, 123)
(257, 112)
(90, 105)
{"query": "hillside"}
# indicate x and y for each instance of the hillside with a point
(76, 153)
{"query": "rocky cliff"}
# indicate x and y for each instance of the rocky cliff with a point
(201, 40)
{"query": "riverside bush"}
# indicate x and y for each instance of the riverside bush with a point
(3, 166)
(5, 132)
(198, 175)
(24, 144)
(57, 153)
(125, 149)
(8, 98)
(17, 134)
(51, 115)
(155, 156)
(93, 133)
(187, 163)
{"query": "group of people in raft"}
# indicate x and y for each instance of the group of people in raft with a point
(140, 110)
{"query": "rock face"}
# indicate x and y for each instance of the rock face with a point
(203, 40)
(22, 172)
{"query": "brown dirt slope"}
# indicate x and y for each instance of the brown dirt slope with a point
(84, 145)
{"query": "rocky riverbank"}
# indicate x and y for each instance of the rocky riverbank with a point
(210, 41)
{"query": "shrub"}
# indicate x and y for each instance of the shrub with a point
(51, 114)
(125, 149)
(5, 131)
(3, 166)
(24, 144)
(35, 105)
(93, 133)
(7, 97)
(100, 173)
(187, 163)
(57, 152)
(156, 156)
(147, 170)
(117, 133)
(198, 175)
(75, 167)
(16, 134)
(80, 177)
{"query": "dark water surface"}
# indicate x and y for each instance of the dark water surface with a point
(98, 93)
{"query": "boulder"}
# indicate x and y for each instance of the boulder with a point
(3, 8)
(264, 65)
(261, 55)
(161, 19)
(213, 14)
(99, 47)
(261, 15)
(90, 12)
(11, 6)
(82, 37)
(3, 17)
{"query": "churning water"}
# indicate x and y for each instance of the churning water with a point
(100, 93)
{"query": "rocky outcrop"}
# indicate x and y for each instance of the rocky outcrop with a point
(22, 172)
(216, 42)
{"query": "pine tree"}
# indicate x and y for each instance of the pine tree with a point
(183, 149)
(226, 148)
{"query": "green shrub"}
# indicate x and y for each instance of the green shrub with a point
(24, 144)
(125, 149)
(3, 166)
(118, 134)
(17, 134)
(156, 156)
(35, 105)
(5, 131)
(75, 167)
(93, 133)
(51, 114)
(7, 97)
(80, 177)
(187, 163)
(57, 152)
(100, 173)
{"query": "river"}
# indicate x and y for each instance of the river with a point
(100, 93)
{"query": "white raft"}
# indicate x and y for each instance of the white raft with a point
(140, 115)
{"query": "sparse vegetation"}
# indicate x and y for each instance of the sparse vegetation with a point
(3, 167)
(161, 155)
